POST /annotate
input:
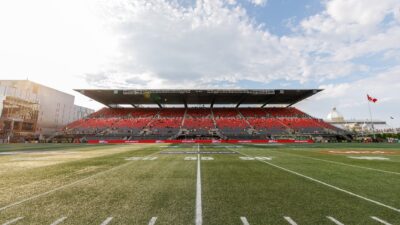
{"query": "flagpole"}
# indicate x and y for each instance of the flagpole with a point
(370, 116)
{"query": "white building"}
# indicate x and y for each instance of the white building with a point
(337, 119)
(25, 104)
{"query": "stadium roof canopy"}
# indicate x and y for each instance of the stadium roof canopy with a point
(164, 97)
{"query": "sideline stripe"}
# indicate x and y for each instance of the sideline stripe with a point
(13, 220)
(380, 220)
(59, 221)
(153, 221)
(244, 220)
(107, 221)
(340, 163)
(71, 184)
(334, 220)
(290, 220)
(199, 211)
(328, 185)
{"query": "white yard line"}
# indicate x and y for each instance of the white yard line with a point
(13, 220)
(107, 221)
(59, 221)
(334, 220)
(244, 220)
(328, 185)
(380, 220)
(153, 221)
(340, 163)
(69, 185)
(199, 213)
(290, 220)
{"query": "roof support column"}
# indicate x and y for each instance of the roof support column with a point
(212, 102)
(159, 105)
(185, 101)
(268, 101)
(241, 100)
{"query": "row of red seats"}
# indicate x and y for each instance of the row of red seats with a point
(294, 123)
(132, 122)
(91, 123)
(110, 122)
(324, 125)
(172, 112)
(285, 112)
(272, 112)
(301, 123)
(198, 112)
(125, 112)
(253, 112)
(202, 122)
(225, 112)
(200, 118)
(231, 122)
(258, 122)
(166, 123)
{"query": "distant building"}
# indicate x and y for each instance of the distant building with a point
(335, 118)
(28, 108)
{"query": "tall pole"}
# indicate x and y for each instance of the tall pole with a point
(370, 116)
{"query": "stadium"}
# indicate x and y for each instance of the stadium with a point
(200, 115)
(212, 156)
(200, 112)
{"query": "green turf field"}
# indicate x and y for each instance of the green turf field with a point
(221, 184)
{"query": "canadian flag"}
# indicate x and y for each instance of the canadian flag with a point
(371, 99)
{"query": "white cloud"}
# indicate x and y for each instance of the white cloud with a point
(386, 40)
(201, 45)
(210, 43)
(365, 12)
(258, 2)
(351, 98)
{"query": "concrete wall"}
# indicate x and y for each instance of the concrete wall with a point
(56, 108)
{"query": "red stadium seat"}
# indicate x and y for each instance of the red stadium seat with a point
(232, 121)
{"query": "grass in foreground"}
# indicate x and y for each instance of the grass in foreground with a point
(105, 184)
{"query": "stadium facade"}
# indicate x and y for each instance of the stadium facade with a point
(29, 109)
(165, 115)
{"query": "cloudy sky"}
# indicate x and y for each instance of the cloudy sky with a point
(347, 47)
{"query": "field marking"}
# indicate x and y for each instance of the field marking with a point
(71, 184)
(359, 152)
(13, 220)
(59, 220)
(199, 211)
(289, 220)
(339, 163)
(153, 221)
(368, 157)
(107, 221)
(329, 185)
(263, 158)
(141, 158)
(207, 158)
(244, 220)
(190, 158)
(345, 164)
(380, 220)
(256, 158)
(150, 158)
(246, 158)
(337, 222)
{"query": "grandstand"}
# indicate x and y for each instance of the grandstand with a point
(199, 115)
